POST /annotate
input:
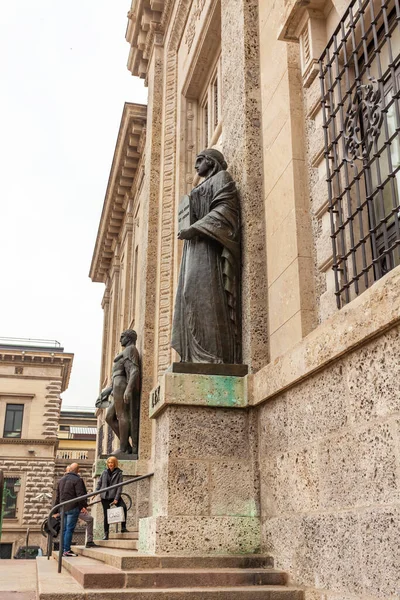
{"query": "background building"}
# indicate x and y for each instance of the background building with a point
(33, 373)
(302, 99)
(76, 441)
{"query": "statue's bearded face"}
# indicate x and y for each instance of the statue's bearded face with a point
(203, 165)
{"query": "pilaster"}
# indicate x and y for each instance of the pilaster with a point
(242, 147)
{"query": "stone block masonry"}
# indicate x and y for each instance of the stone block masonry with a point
(330, 475)
(205, 488)
(37, 477)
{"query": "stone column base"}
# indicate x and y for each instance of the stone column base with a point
(199, 535)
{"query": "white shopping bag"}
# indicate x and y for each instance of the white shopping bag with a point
(115, 515)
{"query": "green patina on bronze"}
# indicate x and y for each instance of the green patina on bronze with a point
(223, 391)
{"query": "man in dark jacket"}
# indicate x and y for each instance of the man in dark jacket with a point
(69, 487)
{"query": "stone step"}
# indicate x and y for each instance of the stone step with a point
(117, 543)
(129, 559)
(91, 573)
(131, 535)
(56, 586)
(260, 592)
(62, 586)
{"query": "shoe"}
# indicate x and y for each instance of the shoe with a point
(69, 553)
(124, 530)
(91, 545)
(105, 536)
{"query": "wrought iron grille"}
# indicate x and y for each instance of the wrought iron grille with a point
(360, 81)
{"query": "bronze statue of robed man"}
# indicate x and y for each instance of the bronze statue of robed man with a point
(207, 316)
(123, 412)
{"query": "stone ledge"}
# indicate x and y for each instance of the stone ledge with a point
(130, 468)
(366, 317)
(199, 535)
(198, 390)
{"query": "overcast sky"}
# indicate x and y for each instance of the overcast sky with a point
(63, 82)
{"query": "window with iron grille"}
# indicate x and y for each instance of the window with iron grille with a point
(10, 499)
(360, 82)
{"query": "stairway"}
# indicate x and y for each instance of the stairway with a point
(117, 571)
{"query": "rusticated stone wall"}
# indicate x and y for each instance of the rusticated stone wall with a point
(37, 477)
(330, 476)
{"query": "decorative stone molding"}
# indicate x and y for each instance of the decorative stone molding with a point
(146, 25)
(124, 169)
(191, 28)
(167, 208)
(305, 23)
(27, 442)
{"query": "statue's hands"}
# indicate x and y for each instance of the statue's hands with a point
(127, 396)
(186, 234)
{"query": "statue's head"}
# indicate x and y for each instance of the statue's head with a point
(128, 337)
(209, 162)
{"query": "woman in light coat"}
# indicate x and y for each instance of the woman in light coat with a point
(111, 476)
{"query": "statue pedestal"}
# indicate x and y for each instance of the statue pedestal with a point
(205, 493)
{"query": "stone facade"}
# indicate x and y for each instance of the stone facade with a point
(329, 466)
(32, 377)
(314, 480)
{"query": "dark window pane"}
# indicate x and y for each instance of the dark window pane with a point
(13, 420)
(9, 422)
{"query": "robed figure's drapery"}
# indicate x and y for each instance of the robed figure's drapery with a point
(206, 325)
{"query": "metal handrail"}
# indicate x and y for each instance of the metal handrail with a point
(62, 505)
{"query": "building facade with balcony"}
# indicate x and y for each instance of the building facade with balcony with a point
(303, 99)
(33, 374)
(77, 430)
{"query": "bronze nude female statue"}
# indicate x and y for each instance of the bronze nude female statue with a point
(207, 326)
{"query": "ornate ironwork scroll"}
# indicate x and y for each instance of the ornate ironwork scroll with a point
(363, 121)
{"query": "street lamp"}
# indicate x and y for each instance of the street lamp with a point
(4, 494)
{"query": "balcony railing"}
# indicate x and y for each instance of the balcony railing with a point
(73, 454)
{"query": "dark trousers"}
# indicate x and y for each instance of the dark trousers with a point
(71, 517)
(106, 505)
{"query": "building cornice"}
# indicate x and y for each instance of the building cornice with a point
(147, 22)
(33, 357)
(128, 152)
(29, 442)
